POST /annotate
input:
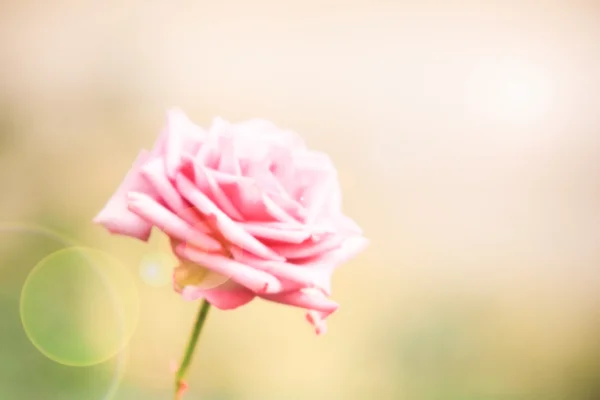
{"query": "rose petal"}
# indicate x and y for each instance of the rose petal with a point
(276, 212)
(209, 154)
(248, 198)
(115, 216)
(304, 300)
(349, 248)
(317, 319)
(205, 181)
(309, 248)
(316, 197)
(228, 163)
(183, 137)
(154, 172)
(245, 195)
(300, 276)
(255, 280)
(276, 231)
(229, 229)
(151, 211)
(290, 206)
(224, 299)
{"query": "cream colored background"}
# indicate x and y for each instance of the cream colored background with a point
(467, 138)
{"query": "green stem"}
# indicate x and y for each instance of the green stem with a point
(189, 351)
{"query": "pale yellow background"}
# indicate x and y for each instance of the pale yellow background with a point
(467, 135)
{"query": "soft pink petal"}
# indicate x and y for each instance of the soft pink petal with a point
(309, 248)
(253, 279)
(245, 195)
(349, 249)
(224, 299)
(289, 206)
(223, 178)
(248, 198)
(229, 229)
(209, 154)
(317, 196)
(276, 212)
(282, 163)
(270, 176)
(303, 300)
(260, 173)
(301, 276)
(172, 225)
(229, 299)
(206, 182)
(184, 137)
(115, 216)
(277, 231)
(317, 319)
(154, 172)
(228, 163)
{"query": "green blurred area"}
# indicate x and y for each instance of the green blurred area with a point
(481, 282)
(452, 350)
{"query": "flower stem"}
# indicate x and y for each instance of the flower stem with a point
(180, 385)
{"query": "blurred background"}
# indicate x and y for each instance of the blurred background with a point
(467, 135)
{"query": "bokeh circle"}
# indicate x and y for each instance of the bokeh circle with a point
(156, 268)
(24, 246)
(79, 307)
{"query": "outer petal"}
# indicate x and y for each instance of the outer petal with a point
(171, 224)
(277, 231)
(317, 319)
(228, 163)
(318, 306)
(225, 297)
(116, 217)
(229, 299)
(310, 248)
(253, 279)
(183, 137)
(298, 277)
(303, 299)
(350, 248)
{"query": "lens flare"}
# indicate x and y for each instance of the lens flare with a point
(23, 246)
(79, 307)
(156, 269)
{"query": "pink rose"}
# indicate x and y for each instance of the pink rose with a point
(248, 202)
